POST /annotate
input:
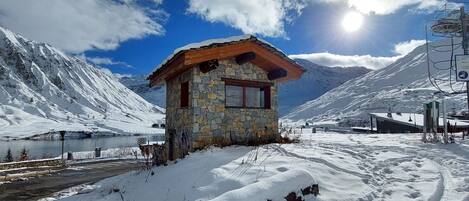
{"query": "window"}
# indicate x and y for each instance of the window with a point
(247, 94)
(185, 94)
(234, 96)
(254, 97)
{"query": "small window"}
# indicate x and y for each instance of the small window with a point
(247, 94)
(234, 96)
(185, 94)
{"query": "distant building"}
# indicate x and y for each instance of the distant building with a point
(409, 123)
(222, 91)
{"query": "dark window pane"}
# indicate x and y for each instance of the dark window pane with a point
(185, 94)
(234, 96)
(266, 97)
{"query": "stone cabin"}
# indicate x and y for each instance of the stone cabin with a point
(222, 91)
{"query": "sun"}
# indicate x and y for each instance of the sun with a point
(352, 21)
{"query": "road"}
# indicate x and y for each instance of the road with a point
(44, 186)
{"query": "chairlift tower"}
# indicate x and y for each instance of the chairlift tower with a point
(455, 24)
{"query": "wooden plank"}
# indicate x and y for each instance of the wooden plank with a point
(179, 70)
(265, 59)
(248, 83)
(224, 52)
(277, 73)
(245, 58)
(294, 70)
(208, 66)
(197, 56)
(160, 75)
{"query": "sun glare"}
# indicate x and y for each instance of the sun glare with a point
(352, 21)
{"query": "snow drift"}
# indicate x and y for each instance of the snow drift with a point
(43, 90)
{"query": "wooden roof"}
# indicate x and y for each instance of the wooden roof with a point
(267, 57)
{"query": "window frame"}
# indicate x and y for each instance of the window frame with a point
(266, 86)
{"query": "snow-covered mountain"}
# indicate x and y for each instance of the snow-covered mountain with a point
(139, 84)
(402, 86)
(42, 89)
(316, 81)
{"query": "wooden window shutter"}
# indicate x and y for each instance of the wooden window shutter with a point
(185, 94)
(267, 97)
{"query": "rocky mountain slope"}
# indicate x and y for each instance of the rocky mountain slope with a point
(43, 90)
(316, 81)
(139, 85)
(403, 86)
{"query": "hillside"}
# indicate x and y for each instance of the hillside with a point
(316, 81)
(402, 86)
(43, 90)
(139, 85)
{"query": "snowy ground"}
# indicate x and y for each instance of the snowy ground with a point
(346, 167)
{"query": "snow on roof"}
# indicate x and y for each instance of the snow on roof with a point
(212, 42)
(413, 119)
(204, 43)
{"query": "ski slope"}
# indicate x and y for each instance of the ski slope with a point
(403, 86)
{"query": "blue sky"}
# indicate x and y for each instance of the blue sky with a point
(133, 36)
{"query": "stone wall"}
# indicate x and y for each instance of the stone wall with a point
(177, 118)
(213, 123)
(32, 163)
(207, 120)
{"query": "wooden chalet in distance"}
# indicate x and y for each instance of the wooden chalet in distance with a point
(222, 91)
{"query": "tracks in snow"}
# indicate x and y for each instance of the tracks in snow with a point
(408, 167)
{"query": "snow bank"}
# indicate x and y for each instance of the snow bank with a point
(272, 188)
(346, 167)
(114, 153)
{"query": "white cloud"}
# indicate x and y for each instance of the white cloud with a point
(268, 17)
(107, 61)
(329, 59)
(77, 26)
(264, 17)
(386, 7)
(405, 47)
(120, 76)
(372, 62)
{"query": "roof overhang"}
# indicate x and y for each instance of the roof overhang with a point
(267, 57)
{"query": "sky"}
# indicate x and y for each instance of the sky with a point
(134, 36)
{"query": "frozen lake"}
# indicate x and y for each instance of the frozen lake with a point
(51, 148)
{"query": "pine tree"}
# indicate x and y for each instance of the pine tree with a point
(9, 156)
(24, 155)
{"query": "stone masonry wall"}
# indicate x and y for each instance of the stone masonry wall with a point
(213, 123)
(177, 118)
(206, 120)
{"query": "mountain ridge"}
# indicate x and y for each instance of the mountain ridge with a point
(316, 81)
(403, 86)
(42, 89)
